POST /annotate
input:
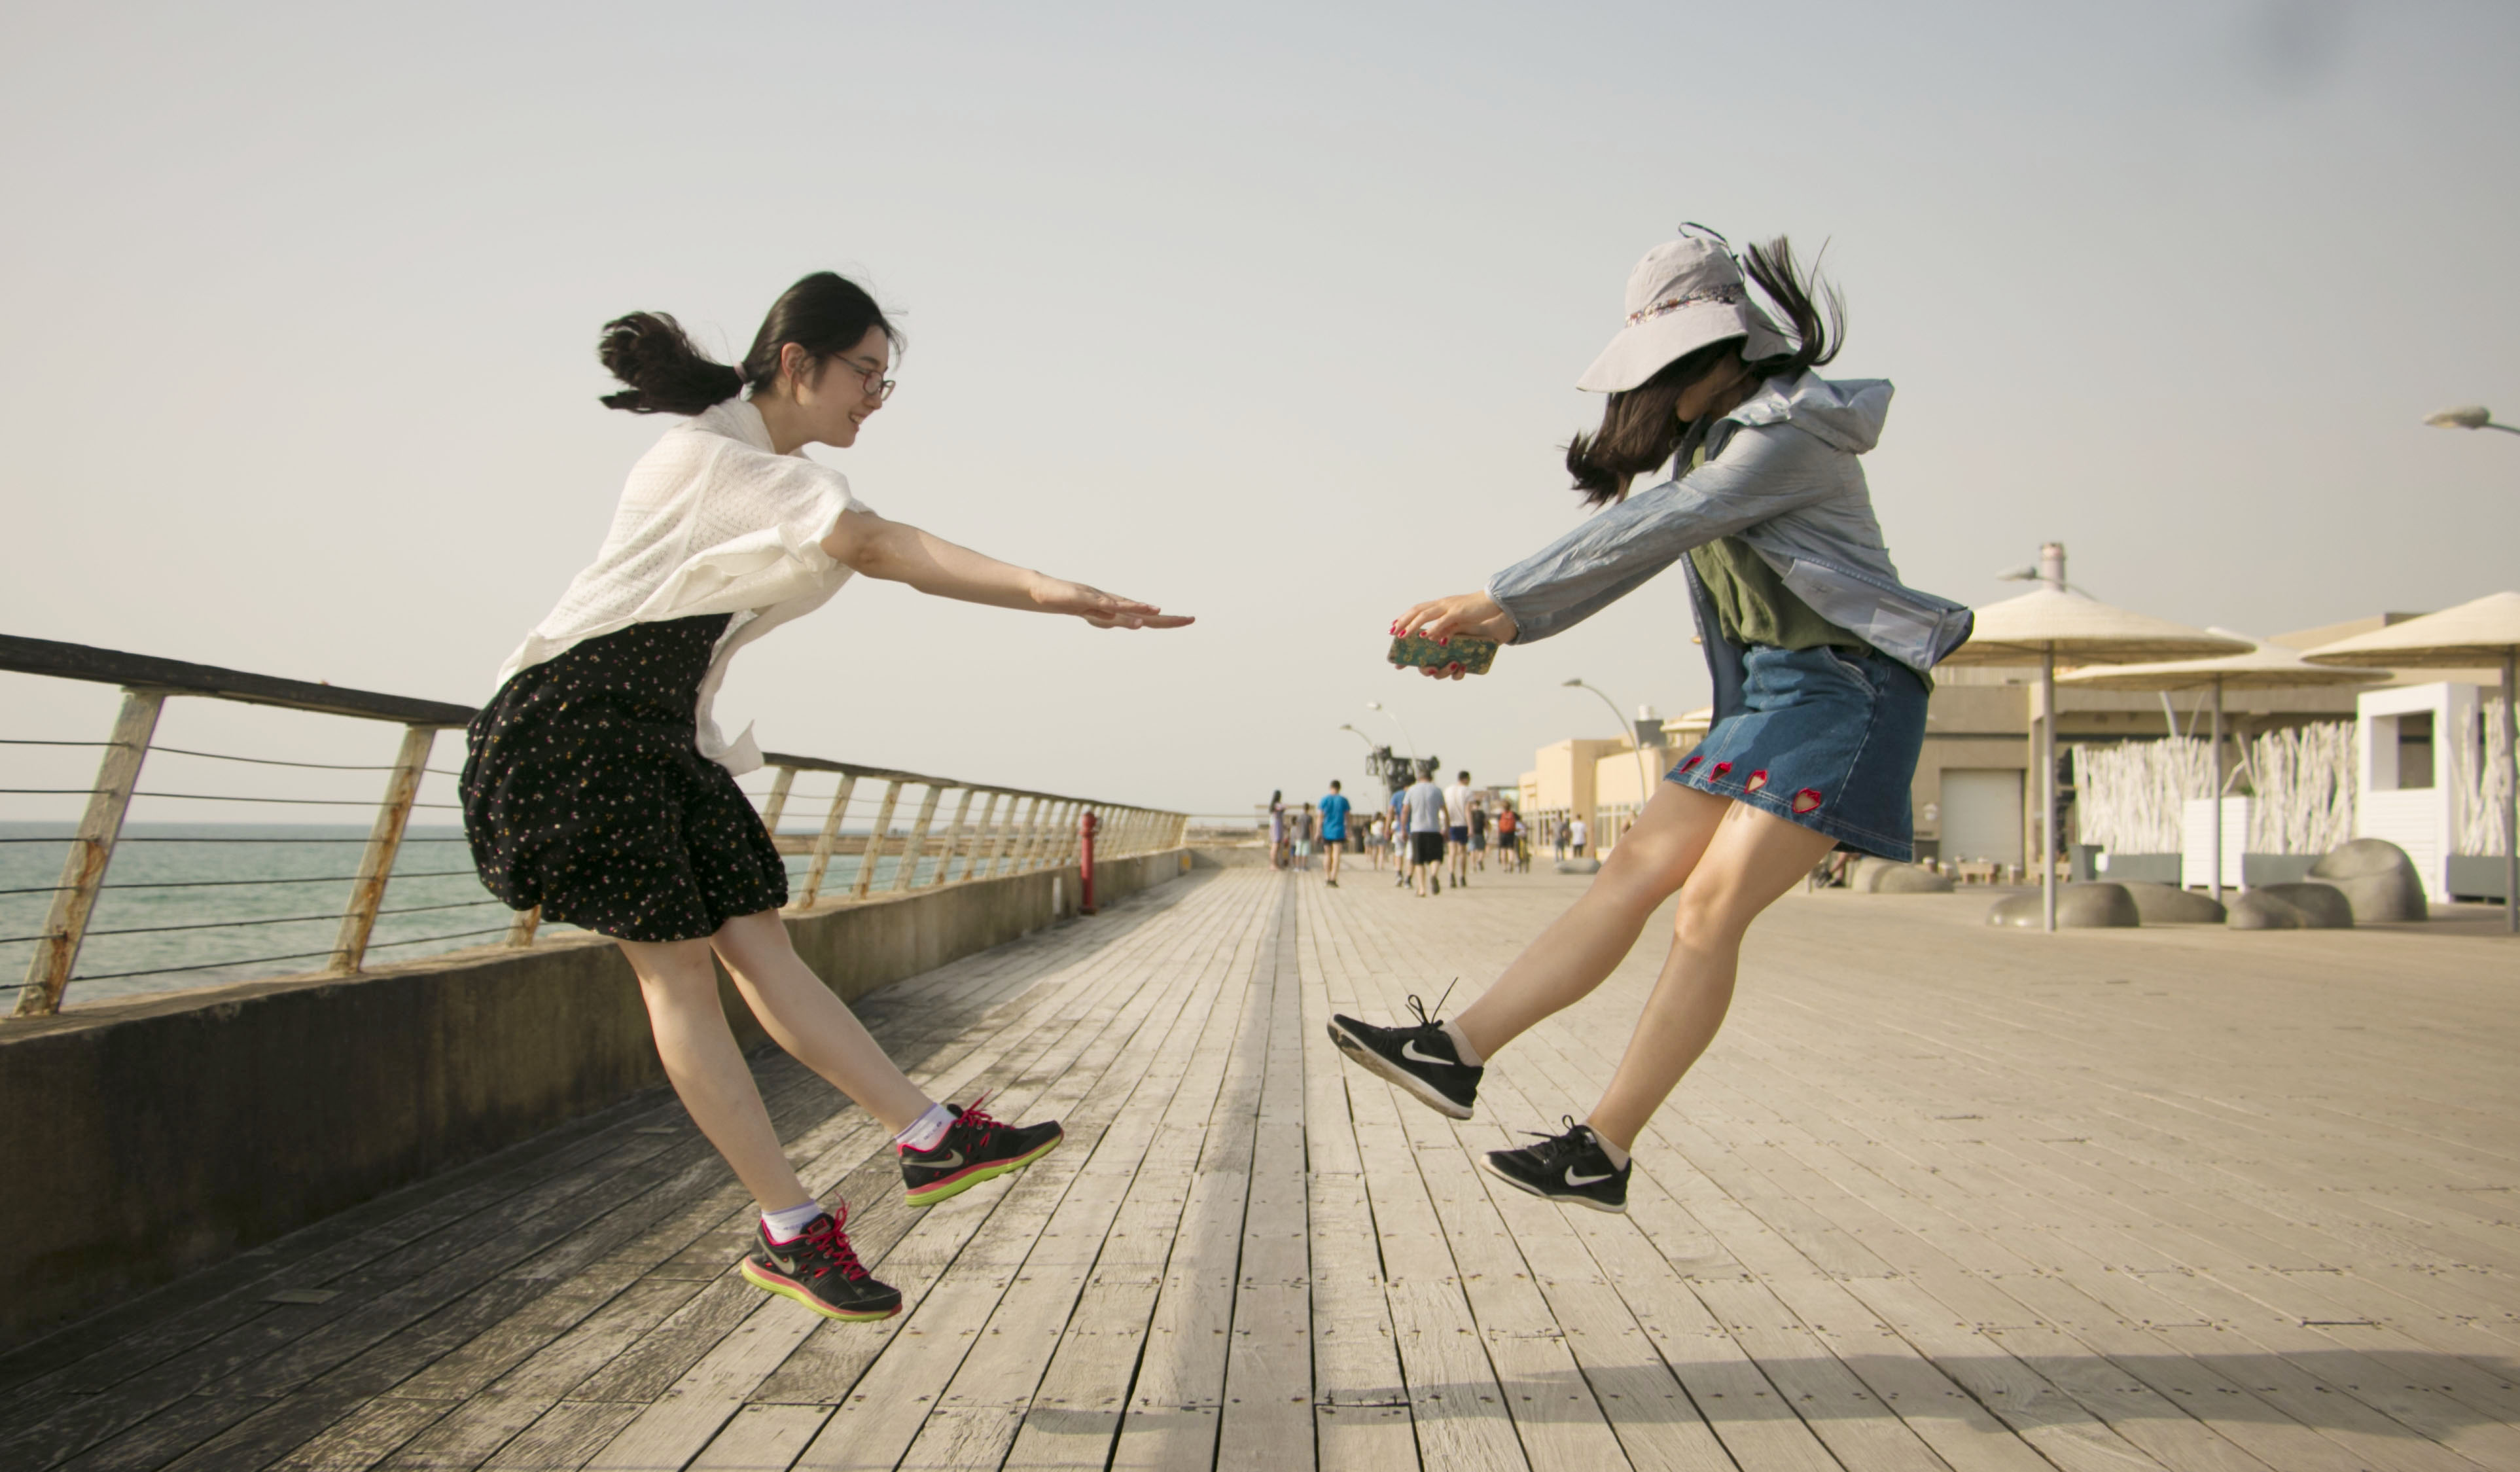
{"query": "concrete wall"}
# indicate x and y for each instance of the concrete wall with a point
(151, 1137)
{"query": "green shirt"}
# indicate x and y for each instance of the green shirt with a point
(1754, 604)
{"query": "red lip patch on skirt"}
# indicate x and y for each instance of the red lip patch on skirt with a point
(1720, 768)
(1807, 799)
(1691, 761)
(1758, 779)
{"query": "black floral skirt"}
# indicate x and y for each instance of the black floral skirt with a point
(584, 792)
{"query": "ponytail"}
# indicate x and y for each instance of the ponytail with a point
(1814, 312)
(651, 353)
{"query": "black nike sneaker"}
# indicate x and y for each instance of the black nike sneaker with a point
(976, 1148)
(1419, 1059)
(821, 1271)
(1571, 1168)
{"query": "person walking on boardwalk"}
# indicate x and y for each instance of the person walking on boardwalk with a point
(597, 786)
(1457, 827)
(1404, 862)
(1334, 811)
(1425, 803)
(1819, 655)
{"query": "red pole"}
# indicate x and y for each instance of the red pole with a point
(1085, 862)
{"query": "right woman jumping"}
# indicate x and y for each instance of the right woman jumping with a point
(1818, 656)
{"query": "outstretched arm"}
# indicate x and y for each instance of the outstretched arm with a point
(898, 552)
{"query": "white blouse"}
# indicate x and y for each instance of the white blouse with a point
(712, 521)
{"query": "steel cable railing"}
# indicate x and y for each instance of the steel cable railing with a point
(874, 833)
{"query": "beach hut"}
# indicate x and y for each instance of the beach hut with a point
(2485, 631)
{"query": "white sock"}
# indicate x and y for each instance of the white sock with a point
(1462, 1048)
(927, 1130)
(1618, 1157)
(790, 1224)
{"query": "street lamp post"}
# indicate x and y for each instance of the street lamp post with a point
(2468, 417)
(1644, 775)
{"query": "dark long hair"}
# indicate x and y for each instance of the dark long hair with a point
(1641, 427)
(824, 313)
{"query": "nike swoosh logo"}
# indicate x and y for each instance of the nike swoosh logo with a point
(953, 1158)
(1408, 1050)
(1574, 1180)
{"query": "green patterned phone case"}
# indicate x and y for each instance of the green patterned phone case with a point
(1415, 651)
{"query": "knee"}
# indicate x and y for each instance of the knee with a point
(1706, 914)
(678, 981)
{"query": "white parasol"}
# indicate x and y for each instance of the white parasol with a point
(2052, 623)
(2485, 631)
(2268, 666)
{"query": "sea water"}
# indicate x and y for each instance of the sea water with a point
(192, 905)
(197, 904)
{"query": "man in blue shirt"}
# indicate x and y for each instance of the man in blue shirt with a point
(1333, 833)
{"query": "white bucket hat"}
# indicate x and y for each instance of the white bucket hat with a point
(1685, 294)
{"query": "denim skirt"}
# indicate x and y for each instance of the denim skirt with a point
(1825, 737)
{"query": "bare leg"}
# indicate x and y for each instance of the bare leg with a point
(1583, 946)
(679, 983)
(810, 1021)
(1755, 857)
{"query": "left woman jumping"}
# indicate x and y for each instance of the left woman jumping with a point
(597, 787)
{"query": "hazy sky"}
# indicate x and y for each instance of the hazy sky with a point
(1271, 316)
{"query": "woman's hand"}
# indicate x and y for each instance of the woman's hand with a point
(1473, 614)
(1057, 595)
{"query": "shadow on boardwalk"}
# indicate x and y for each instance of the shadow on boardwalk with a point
(1940, 1197)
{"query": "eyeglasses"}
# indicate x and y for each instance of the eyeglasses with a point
(872, 379)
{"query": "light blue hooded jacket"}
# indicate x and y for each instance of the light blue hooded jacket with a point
(1781, 474)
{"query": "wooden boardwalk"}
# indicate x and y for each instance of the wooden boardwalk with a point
(1941, 1197)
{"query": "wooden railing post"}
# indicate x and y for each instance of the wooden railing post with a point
(1010, 832)
(1064, 837)
(777, 805)
(384, 839)
(1028, 832)
(822, 841)
(874, 841)
(906, 871)
(83, 867)
(952, 840)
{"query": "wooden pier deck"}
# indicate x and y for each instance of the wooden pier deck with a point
(1941, 1197)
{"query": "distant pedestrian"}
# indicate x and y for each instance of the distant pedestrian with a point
(1277, 829)
(1576, 836)
(1403, 860)
(1478, 835)
(1457, 826)
(1426, 804)
(1334, 810)
(597, 787)
(1299, 830)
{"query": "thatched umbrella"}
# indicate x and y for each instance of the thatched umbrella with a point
(2056, 622)
(2485, 631)
(2268, 666)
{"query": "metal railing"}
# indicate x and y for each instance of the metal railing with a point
(961, 831)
